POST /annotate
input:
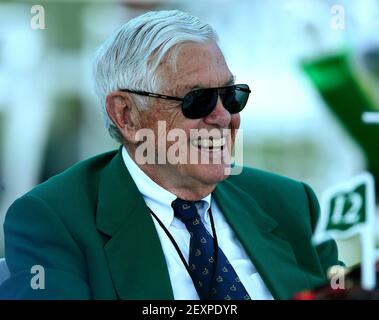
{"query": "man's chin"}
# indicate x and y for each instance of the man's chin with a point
(210, 174)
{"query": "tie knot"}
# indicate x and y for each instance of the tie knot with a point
(185, 211)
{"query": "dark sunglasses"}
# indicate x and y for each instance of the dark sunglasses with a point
(199, 103)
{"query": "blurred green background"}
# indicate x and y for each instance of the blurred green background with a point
(313, 66)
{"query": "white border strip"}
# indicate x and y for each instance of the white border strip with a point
(370, 117)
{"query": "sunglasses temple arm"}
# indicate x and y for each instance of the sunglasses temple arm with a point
(152, 95)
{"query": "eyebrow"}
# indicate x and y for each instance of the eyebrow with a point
(231, 80)
(227, 83)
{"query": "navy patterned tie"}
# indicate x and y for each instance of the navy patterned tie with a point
(212, 282)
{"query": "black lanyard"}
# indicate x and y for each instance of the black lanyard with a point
(215, 243)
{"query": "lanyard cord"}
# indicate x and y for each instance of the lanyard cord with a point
(215, 243)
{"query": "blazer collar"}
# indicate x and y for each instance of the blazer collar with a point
(271, 254)
(135, 256)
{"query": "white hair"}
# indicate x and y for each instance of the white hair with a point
(131, 56)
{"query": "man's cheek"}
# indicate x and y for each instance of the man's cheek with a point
(236, 121)
(235, 124)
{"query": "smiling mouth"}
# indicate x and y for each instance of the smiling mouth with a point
(208, 144)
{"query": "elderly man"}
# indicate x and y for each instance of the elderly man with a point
(146, 222)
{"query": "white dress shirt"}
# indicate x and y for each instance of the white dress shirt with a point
(159, 201)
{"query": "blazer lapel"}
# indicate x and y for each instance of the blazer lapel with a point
(136, 260)
(272, 255)
(135, 256)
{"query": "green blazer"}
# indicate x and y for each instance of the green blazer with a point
(90, 230)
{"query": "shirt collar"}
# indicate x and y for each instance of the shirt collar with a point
(156, 197)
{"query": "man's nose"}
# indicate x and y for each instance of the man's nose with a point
(219, 116)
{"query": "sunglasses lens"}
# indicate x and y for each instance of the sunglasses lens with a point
(234, 98)
(200, 103)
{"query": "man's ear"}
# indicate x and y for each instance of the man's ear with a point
(120, 107)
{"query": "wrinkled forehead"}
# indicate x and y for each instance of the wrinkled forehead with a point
(193, 66)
